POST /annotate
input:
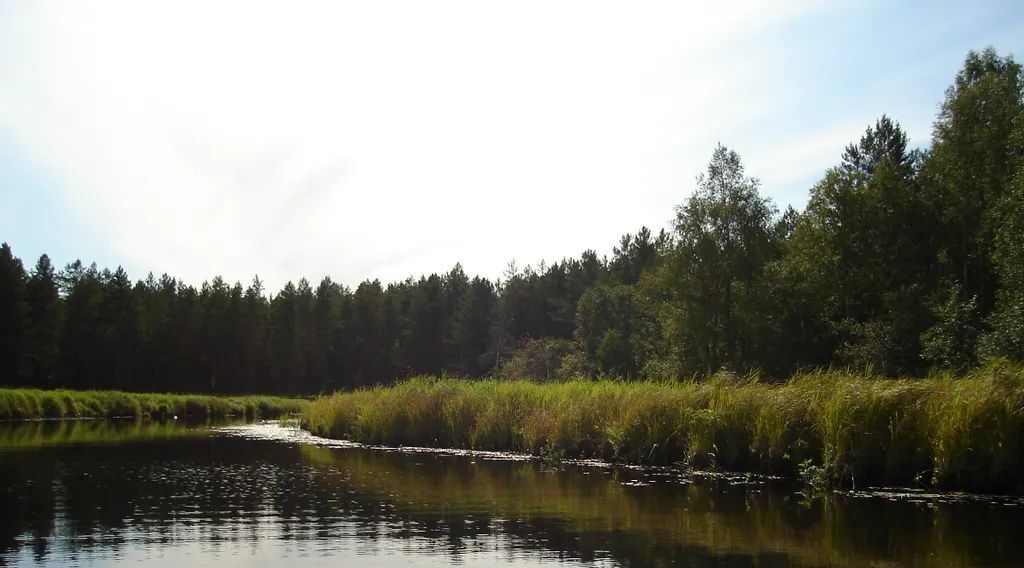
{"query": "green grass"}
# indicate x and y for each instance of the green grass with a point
(841, 428)
(34, 403)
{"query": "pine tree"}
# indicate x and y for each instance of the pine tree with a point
(12, 316)
(43, 322)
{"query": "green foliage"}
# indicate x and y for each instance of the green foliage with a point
(617, 330)
(12, 314)
(712, 281)
(636, 255)
(472, 325)
(1006, 338)
(43, 314)
(950, 342)
(970, 166)
(1006, 335)
(865, 217)
(544, 360)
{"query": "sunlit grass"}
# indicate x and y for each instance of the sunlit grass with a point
(34, 403)
(943, 431)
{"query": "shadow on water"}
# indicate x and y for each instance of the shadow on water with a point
(171, 493)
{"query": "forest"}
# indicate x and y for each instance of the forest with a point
(902, 262)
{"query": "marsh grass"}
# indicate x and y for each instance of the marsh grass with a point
(851, 429)
(34, 403)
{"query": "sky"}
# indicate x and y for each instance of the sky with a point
(389, 139)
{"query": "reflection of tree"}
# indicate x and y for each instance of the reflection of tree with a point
(106, 432)
(27, 503)
(585, 513)
(80, 500)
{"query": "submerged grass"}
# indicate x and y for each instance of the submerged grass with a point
(843, 428)
(34, 403)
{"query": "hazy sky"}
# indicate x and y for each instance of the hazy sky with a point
(382, 139)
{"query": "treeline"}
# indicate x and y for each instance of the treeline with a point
(903, 260)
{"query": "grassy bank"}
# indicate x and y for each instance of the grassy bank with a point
(33, 403)
(829, 427)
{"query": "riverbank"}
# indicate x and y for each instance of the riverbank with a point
(831, 428)
(34, 403)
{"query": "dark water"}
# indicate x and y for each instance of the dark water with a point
(102, 493)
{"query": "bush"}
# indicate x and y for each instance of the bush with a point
(543, 360)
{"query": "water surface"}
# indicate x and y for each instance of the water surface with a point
(105, 493)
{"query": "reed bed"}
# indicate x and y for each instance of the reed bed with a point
(34, 403)
(834, 428)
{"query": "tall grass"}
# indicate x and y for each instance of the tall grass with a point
(33, 403)
(840, 427)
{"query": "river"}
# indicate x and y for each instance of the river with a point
(112, 493)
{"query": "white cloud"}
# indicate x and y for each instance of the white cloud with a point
(381, 139)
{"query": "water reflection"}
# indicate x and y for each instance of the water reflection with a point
(264, 495)
(36, 433)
